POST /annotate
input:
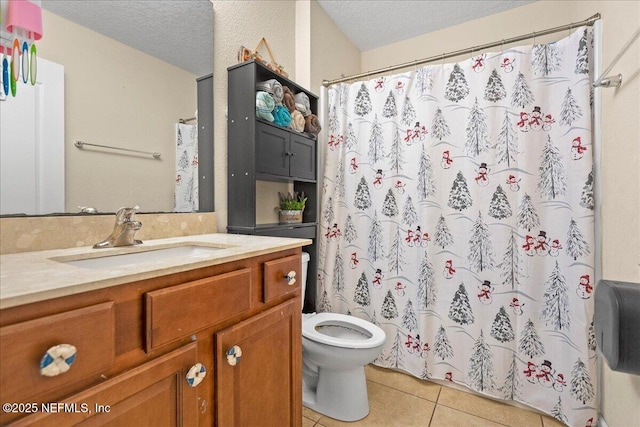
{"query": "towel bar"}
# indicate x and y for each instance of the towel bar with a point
(81, 144)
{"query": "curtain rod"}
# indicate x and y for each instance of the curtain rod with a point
(589, 21)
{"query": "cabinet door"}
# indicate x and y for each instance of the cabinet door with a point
(154, 394)
(272, 148)
(303, 157)
(264, 388)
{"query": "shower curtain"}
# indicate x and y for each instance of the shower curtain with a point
(186, 181)
(458, 215)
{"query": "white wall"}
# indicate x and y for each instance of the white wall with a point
(619, 199)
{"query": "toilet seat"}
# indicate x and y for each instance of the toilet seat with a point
(362, 334)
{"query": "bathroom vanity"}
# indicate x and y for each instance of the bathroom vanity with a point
(140, 328)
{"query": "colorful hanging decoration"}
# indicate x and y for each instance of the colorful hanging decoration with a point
(20, 27)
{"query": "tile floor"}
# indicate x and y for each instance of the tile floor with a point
(398, 399)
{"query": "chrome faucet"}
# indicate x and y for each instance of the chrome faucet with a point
(123, 231)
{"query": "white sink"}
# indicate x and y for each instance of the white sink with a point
(111, 261)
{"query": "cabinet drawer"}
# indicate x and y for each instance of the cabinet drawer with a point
(91, 330)
(275, 276)
(178, 311)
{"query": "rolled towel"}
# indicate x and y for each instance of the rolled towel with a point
(288, 100)
(302, 99)
(302, 109)
(264, 105)
(281, 116)
(312, 124)
(297, 121)
(273, 87)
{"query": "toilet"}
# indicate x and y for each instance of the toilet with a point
(335, 349)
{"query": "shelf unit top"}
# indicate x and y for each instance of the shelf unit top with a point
(263, 71)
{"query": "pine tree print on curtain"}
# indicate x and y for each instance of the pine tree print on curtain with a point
(465, 199)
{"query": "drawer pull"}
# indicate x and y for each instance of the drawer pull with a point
(196, 374)
(57, 360)
(291, 278)
(233, 355)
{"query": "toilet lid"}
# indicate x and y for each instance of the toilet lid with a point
(340, 330)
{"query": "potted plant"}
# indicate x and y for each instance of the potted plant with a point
(291, 207)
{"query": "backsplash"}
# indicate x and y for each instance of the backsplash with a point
(59, 232)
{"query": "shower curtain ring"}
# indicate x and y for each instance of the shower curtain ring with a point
(534, 37)
(442, 58)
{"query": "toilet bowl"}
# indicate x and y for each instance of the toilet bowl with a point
(335, 349)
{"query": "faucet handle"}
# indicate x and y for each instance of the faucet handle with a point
(126, 214)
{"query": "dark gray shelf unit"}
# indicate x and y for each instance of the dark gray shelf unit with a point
(260, 150)
(205, 144)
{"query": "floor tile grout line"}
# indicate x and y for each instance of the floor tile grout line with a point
(433, 413)
(406, 392)
(475, 415)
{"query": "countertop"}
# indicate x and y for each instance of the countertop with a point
(37, 276)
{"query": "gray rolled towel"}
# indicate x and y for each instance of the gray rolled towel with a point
(302, 103)
(272, 87)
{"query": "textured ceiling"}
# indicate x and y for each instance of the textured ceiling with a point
(374, 23)
(179, 32)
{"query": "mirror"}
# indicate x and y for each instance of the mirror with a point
(130, 74)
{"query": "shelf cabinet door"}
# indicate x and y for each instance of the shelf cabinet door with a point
(272, 146)
(264, 388)
(284, 153)
(303, 159)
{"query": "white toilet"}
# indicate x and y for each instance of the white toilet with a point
(335, 349)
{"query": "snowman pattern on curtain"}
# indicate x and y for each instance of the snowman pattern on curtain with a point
(458, 216)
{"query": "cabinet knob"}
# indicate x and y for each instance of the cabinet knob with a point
(196, 374)
(57, 360)
(233, 355)
(291, 278)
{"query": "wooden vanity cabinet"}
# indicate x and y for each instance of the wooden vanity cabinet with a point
(163, 327)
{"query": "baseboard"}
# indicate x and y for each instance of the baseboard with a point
(601, 421)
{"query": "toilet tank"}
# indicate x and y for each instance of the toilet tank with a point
(303, 283)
